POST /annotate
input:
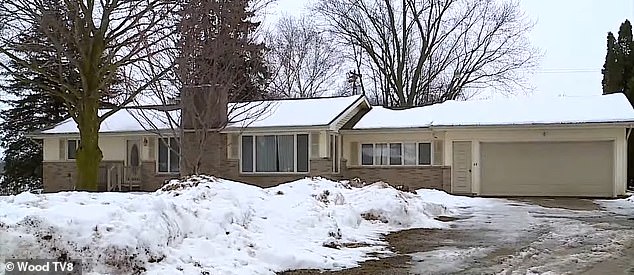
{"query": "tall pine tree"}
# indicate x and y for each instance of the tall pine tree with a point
(612, 69)
(30, 108)
(618, 76)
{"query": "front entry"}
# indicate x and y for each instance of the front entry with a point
(461, 168)
(132, 169)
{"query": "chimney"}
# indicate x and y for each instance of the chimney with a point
(203, 107)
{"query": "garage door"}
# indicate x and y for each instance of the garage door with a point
(547, 169)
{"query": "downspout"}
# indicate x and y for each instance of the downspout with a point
(628, 132)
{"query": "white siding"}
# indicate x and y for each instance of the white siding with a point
(51, 149)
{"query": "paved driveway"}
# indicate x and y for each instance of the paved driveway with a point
(519, 236)
(531, 236)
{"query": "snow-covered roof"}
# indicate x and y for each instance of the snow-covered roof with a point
(514, 111)
(290, 112)
(125, 120)
(257, 114)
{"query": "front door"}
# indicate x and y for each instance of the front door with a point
(133, 161)
(461, 168)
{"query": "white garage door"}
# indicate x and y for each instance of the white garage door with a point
(547, 169)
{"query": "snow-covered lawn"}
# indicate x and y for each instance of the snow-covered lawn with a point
(205, 225)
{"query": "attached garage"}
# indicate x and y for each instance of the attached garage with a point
(574, 146)
(571, 168)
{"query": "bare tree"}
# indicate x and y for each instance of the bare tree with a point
(220, 79)
(418, 52)
(305, 60)
(105, 42)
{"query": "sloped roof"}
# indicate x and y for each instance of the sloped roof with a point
(125, 120)
(290, 113)
(257, 114)
(515, 111)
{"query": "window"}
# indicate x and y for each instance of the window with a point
(247, 154)
(302, 153)
(424, 153)
(168, 155)
(71, 148)
(334, 152)
(275, 153)
(367, 154)
(396, 154)
(381, 154)
(409, 153)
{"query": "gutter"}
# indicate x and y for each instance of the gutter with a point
(626, 124)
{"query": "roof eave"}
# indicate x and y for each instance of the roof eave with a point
(114, 133)
(624, 123)
(361, 100)
(270, 129)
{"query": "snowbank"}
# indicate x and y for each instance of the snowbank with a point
(205, 225)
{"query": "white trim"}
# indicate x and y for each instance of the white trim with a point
(269, 130)
(354, 107)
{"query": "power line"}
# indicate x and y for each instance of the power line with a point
(567, 71)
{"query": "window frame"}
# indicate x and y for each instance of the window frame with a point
(254, 153)
(335, 152)
(66, 143)
(169, 153)
(402, 143)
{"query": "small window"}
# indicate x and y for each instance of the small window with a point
(247, 153)
(71, 148)
(168, 155)
(424, 153)
(367, 154)
(302, 153)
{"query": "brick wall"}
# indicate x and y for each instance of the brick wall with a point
(434, 177)
(215, 162)
(151, 180)
(59, 176)
(62, 175)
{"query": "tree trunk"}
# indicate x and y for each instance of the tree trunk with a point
(88, 155)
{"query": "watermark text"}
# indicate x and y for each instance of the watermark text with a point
(41, 266)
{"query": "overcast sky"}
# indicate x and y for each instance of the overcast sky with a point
(570, 33)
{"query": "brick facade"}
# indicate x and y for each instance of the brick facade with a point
(215, 162)
(433, 177)
(60, 176)
(151, 180)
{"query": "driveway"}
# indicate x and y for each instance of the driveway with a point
(531, 236)
(519, 236)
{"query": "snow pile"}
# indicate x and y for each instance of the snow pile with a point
(205, 225)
